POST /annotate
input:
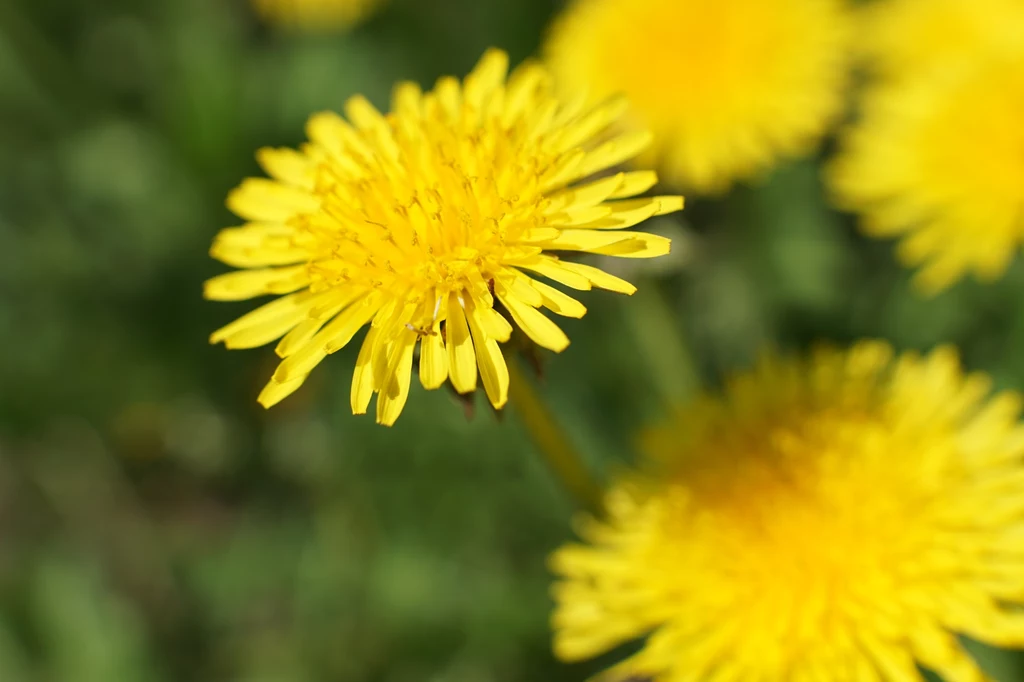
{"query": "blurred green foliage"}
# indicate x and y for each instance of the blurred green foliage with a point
(157, 525)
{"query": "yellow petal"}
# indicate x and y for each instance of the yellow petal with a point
(600, 278)
(395, 390)
(362, 377)
(288, 166)
(943, 654)
(579, 215)
(258, 257)
(522, 87)
(587, 195)
(493, 370)
(583, 240)
(262, 334)
(243, 284)
(556, 270)
(461, 356)
(342, 328)
(558, 302)
(298, 337)
(333, 337)
(614, 152)
(448, 92)
(257, 245)
(265, 313)
(587, 126)
(635, 182)
(543, 331)
(263, 199)
(564, 171)
(331, 133)
(638, 245)
(494, 323)
(433, 359)
(633, 211)
(275, 391)
(327, 305)
(406, 98)
(366, 117)
(487, 76)
(519, 284)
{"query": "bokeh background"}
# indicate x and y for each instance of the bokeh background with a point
(157, 525)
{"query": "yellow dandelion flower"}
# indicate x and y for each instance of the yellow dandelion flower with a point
(939, 161)
(420, 222)
(315, 14)
(727, 86)
(839, 518)
(901, 38)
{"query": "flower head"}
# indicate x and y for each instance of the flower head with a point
(728, 86)
(939, 160)
(315, 14)
(904, 38)
(419, 223)
(841, 518)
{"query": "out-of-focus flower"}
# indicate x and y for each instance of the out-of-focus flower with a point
(939, 160)
(419, 222)
(315, 15)
(838, 518)
(905, 38)
(728, 86)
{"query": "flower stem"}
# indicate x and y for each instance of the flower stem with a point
(562, 457)
(656, 329)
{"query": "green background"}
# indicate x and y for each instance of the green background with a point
(156, 524)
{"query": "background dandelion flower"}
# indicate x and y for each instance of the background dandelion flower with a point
(315, 14)
(939, 161)
(842, 518)
(728, 86)
(904, 38)
(417, 223)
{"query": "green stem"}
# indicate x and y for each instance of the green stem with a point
(562, 457)
(656, 330)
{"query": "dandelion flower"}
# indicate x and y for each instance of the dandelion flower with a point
(904, 38)
(939, 161)
(315, 14)
(430, 225)
(841, 518)
(727, 86)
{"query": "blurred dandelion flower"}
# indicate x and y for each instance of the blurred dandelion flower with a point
(417, 223)
(315, 14)
(939, 160)
(727, 86)
(904, 38)
(839, 518)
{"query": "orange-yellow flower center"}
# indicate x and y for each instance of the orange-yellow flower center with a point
(793, 522)
(444, 215)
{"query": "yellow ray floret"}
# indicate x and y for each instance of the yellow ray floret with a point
(842, 518)
(906, 38)
(728, 86)
(315, 15)
(420, 222)
(938, 161)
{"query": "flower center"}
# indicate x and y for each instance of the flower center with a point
(799, 525)
(441, 215)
